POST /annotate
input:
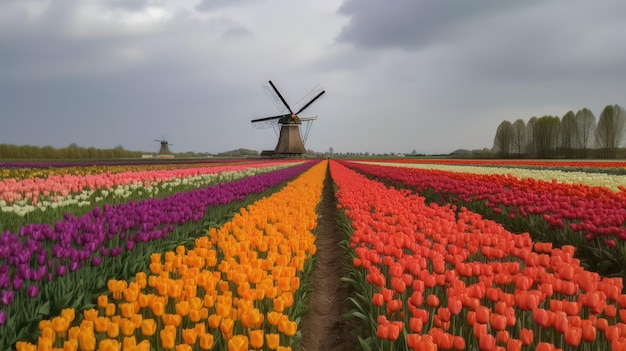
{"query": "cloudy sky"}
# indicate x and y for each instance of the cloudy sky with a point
(400, 75)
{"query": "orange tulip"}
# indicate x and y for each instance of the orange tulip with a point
(214, 321)
(87, 340)
(168, 337)
(44, 344)
(60, 325)
(226, 326)
(68, 314)
(256, 338)
(91, 314)
(109, 310)
(148, 327)
(127, 327)
(101, 324)
(182, 308)
(70, 345)
(158, 308)
(272, 341)
(114, 330)
(287, 327)
(206, 341)
(514, 345)
(238, 343)
(129, 342)
(190, 336)
(109, 345)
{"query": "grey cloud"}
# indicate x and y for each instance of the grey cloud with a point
(211, 5)
(412, 24)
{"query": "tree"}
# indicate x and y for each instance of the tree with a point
(610, 130)
(546, 134)
(568, 132)
(531, 146)
(519, 136)
(586, 125)
(503, 141)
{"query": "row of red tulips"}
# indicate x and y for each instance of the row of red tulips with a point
(440, 277)
(590, 218)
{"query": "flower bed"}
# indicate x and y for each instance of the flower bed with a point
(440, 277)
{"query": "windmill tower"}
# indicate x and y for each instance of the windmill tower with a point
(290, 138)
(164, 151)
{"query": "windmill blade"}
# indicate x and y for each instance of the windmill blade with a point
(280, 96)
(271, 123)
(269, 118)
(310, 102)
(275, 99)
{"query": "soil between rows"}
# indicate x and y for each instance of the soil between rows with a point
(323, 327)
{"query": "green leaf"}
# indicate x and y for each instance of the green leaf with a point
(44, 309)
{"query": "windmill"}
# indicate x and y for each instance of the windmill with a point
(290, 138)
(165, 150)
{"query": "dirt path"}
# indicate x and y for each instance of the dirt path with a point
(323, 327)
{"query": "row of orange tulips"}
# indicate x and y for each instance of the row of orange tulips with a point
(239, 287)
(432, 277)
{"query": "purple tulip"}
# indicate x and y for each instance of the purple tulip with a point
(130, 245)
(74, 266)
(61, 270)
(96, 261)
(104, 251)
(116, 251)
(17, 283)
(3, 317)
(33, 291)
(7, 297)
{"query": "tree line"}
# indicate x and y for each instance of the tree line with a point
(575, 135)
(72, 151)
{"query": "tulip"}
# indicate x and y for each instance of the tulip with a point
(205, 341)
(32, 291)
(148, 327)
(168, 337)
(190, 336)
(238, 343)
(3, 317)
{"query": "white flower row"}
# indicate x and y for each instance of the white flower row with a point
(586, 178)
(91, 197)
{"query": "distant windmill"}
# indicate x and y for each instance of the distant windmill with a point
(165, 150)
(290, 140)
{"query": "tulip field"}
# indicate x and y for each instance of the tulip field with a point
(438, 254)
